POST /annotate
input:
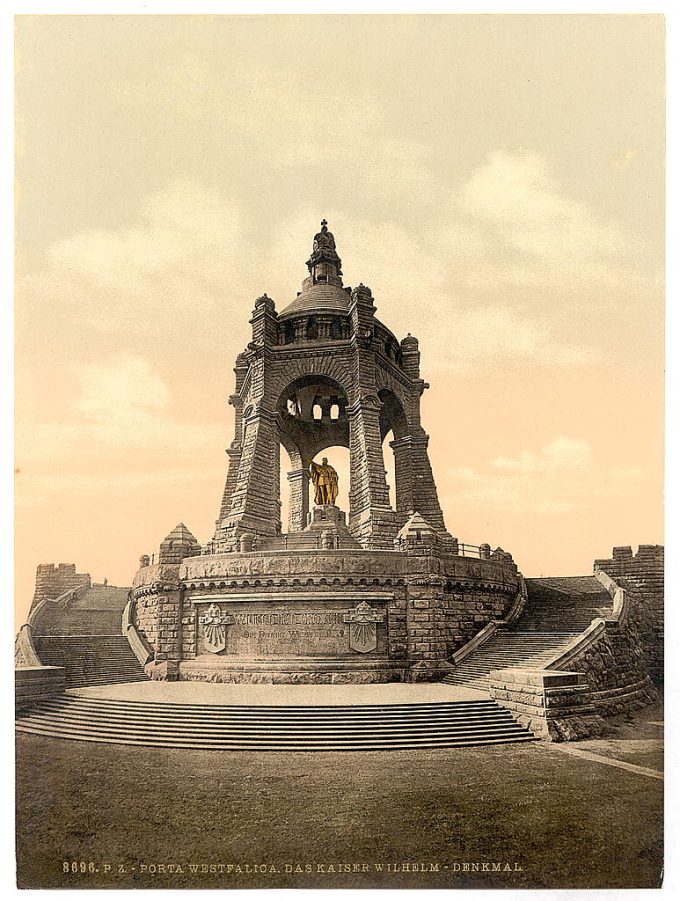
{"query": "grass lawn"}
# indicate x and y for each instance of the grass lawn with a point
(556, 820)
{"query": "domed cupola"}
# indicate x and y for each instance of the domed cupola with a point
(322, 291)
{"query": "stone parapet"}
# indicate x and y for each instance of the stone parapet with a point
(35, 683)
(460, 573)
(53, 581)
(555, 706)
(25, 654)
(642, 576)
(141, 648)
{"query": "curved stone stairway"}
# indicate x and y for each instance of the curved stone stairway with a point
(84, 636)
(259, 728)
(91, 659)
(556, 611)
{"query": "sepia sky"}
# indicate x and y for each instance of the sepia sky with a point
(496, 180)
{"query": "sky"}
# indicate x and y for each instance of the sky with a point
(498, 182)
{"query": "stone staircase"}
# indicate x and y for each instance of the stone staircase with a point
(556, 612)
(567, 604)
(96, 610)
(231, 728)
(90, 659)
(507, 649)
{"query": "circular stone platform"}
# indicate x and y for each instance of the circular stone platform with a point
(280, 695)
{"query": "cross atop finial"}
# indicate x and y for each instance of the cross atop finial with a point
(323, 251)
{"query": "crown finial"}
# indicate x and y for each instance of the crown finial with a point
(324, 263)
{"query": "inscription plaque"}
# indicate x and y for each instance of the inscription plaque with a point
(292, 630)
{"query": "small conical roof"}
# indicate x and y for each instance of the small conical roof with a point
(181, 533)
(416, 526)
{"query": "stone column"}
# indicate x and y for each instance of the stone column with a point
(265, 322)
(234, 454)
(425, 612)
(403, 478)
(372, 520)
(425, 499)
(299, 499)
(255, 505)
(234, 450)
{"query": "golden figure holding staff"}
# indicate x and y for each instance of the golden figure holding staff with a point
(325, 481)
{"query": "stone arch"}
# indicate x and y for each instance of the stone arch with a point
(303, 435)
(319, 366)
(395, 427)
(392, 414)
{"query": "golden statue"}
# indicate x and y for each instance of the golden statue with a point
(325, 480)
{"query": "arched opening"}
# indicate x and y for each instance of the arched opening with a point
(290, 487)
(336, 328)
(313, 423)
(288, 333)
(393, 427)
(390, 474)
(312, 328)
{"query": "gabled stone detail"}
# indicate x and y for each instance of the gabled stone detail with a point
(180, 543)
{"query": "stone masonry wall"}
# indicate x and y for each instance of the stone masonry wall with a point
(466, 614)
(555, 705)
(146, 618)
(642, 575)
(435, 601)
(614, 668)
(157, 616)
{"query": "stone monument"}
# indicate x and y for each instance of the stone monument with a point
(375, 593)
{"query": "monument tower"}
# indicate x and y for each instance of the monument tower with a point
(375, 593)
(323, 372)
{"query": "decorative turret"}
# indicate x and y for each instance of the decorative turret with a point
(324, 264)
(180, 543)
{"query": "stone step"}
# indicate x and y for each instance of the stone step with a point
(403, 745)
(91, 659)
(507, 649)
(264, 729)
(217, 727)
(254, 716)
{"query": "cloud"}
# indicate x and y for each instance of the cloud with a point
(251, 105)
(558, 455)
(456, 336)
(539, 236)
(124, 390)
(159, 271)
(517, 194)
(562, 476)
(121, 403)
(507, 335)
(190, 260)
